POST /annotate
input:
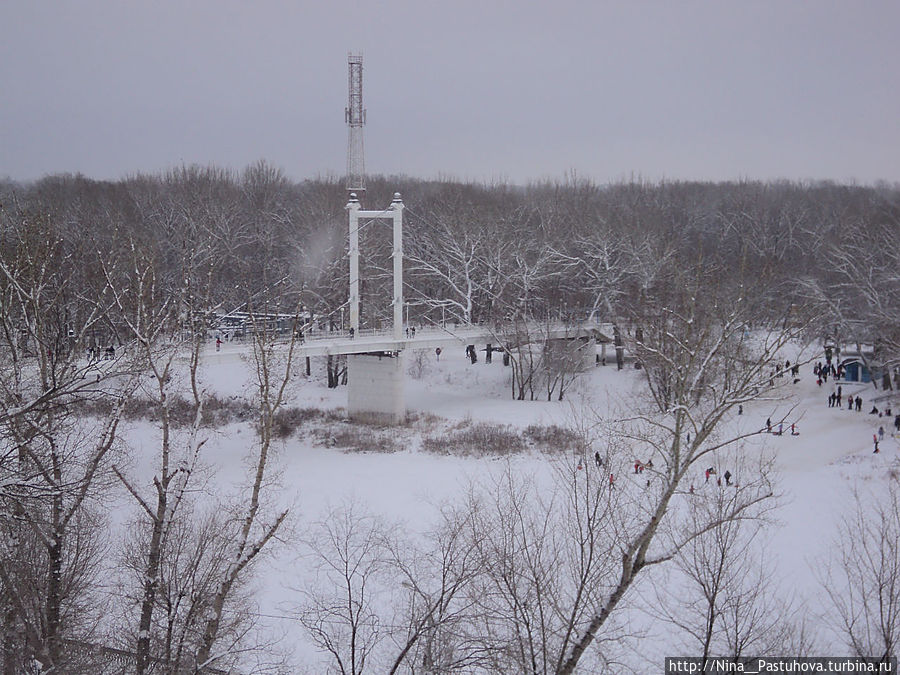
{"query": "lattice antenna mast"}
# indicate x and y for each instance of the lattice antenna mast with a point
(355, 116)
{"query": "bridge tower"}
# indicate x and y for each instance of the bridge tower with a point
(376, 388)
(355, 117)
(394, 213)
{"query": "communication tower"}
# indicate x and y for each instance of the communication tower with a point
(355, 116)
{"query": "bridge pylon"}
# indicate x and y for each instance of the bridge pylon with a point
(394, 213)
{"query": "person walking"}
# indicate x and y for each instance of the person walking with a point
(727, 477)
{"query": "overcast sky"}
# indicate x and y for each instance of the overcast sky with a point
(485, 90)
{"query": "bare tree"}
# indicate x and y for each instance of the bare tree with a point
(542, 556)
(340, 616)
(863, 583)
(522, 350)
(253, 527)
(437, 574)
(165, 320)
(390, 602)
(54, 465)
(700, 363)
(721, 595)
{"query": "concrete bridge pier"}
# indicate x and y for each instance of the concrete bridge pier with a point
(375, 387)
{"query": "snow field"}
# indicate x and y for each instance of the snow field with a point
(816, 470)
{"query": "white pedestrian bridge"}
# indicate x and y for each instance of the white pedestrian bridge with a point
(375, 358)
(324, 343)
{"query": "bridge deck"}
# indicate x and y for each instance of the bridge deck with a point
(329, 343)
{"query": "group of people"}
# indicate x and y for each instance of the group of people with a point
(795, 431)
(878, 436)
(711, 471)
(823, 371)
(835, 400)
(777, 371)
(109, 353)
(639, 467)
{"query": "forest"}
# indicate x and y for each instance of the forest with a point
(692, 273)
(480, 253)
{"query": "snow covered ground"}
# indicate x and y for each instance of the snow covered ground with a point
(817, 469)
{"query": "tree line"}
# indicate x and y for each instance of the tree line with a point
(485, 253)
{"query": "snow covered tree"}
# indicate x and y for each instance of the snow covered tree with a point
(274, 319)
(164, 319)
(54, 461)
(700, 362)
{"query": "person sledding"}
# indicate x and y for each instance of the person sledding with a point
(794, 430)
(710, 472)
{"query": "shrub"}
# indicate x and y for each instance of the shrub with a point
(289, 419)
(477, 440)
(552, 438)
(357, 438)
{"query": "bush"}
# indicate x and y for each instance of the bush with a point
(287, 420)
(217, 412)
(552, 438)
(357, 438)
(478, 440)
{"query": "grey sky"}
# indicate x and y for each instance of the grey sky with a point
(484, 90)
